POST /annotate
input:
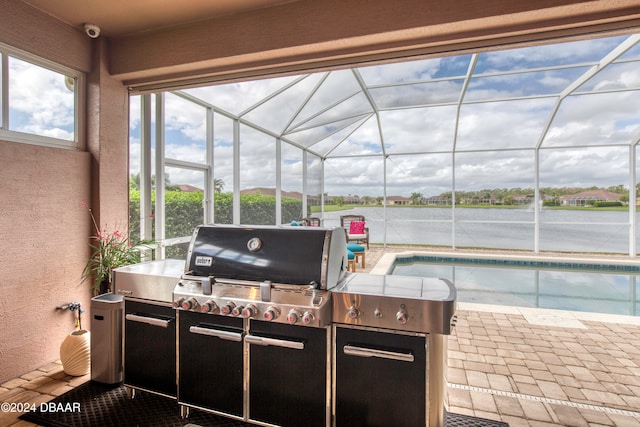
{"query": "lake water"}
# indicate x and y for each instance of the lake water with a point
(560, 230)
(611, 292)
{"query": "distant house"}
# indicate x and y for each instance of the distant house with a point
(314, 200)
(585, 197)
(352, 200)
(398, 201)
(435, 200)
(186, 188)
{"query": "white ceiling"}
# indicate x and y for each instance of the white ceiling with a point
(118, 18)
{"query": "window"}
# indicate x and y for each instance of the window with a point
(39, 101)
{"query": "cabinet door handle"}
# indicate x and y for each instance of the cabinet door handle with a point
(296, 345)
(352, 350)
(153, 321)
(224, 335)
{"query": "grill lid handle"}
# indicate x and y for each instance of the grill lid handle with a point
(206, 285)
(265, 291)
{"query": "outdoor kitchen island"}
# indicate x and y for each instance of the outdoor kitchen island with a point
(271, 329)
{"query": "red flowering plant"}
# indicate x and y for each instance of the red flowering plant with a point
(109, 250)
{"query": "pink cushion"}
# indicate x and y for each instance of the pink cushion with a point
(356, 227)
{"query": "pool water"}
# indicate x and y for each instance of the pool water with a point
(591, 288)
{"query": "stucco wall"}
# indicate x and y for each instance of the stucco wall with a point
(44, 231)
(43, 248)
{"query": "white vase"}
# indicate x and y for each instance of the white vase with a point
(75, 353)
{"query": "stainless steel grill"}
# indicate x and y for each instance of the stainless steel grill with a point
(272, 329)
(275, 274)
(256, 302)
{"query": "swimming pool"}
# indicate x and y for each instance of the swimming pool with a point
(575, 285)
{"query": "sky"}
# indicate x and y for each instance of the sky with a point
(516, 100)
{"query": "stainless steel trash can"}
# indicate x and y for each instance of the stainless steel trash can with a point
(106, 338)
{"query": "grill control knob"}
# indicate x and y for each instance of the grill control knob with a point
(401, 317)
(272, 313)
(227, 308)
(293, 316)
(190, 303)
(209, 307)
(249, 311)
(237, 311)
(353, 313)
(308, 318)
(178, 303)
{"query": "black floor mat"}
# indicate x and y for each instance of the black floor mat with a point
(458, 420)
(101, 405)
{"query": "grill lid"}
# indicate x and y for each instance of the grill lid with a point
(288, 255)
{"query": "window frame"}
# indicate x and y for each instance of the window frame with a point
(78, 142)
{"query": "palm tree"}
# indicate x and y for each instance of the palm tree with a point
(415, 197)
(218, 185)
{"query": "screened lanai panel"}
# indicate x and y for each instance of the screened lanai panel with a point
(631, 54)
(583, 52)
(507, 86)
(361, 176)
(185, 129)
(416, 71)
(596, 119)
(595, 238)
(364, 140)
(335, 131)
(499, 178)
(351, 105)
(291, 168)
(276, 112)
(222, 168)
(603, 170)
(429, 176)
(334, 88)
(237, 97)
(257, 175)
(584, 167)
(418, 94)
(183, 212)
(134, 139)
(314, 185)
(620, 76)
(503, 125)
(492, 234)
(418, 130)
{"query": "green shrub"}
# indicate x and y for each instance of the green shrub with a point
(606, 204)
(184, 211)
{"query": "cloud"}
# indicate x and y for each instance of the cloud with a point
(53, 113)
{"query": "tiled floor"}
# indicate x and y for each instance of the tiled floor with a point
(34, 388)
(527, 367)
